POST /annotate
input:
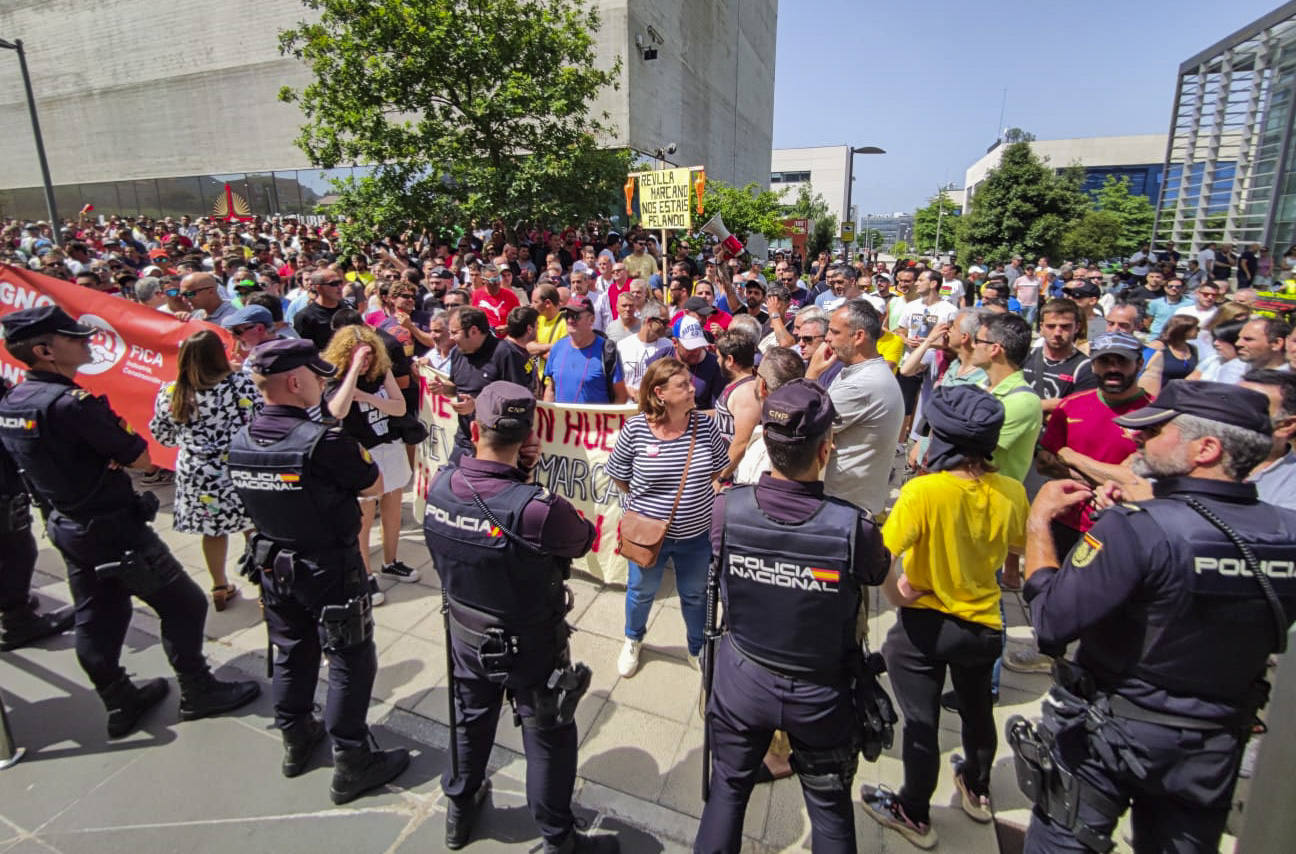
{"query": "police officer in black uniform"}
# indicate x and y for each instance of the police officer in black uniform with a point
(792, 566)
(503, 548)
(73, 449)
(1177, 603)
(299, 480)
(20, 624)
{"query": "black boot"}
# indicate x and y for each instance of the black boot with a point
(127, 703)
(460, 819)
(300, 741)
(356, 770)
(24, 629)
(578, 843)
(203, 695)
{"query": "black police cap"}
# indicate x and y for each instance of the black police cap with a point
(1223, 402)
(505, 406)
(285, 354)
(797, 411)
(42, 320)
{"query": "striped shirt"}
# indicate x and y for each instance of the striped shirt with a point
(653, 469)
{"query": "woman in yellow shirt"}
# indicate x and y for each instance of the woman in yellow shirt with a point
(950, 529)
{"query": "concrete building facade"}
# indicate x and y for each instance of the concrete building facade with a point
(1138, 157)
(825, 169)
(148, 109)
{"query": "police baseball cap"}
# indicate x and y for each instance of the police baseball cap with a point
(1223, 402)
(30, 322)
(699, 305)
(505, 406)
(797, 411)
(286, 354)
(1120, 343)
(249, 314)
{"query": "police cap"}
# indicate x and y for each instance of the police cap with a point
(797, 411)
(505, 406)
(1223, 402)
(285, 354)
(42, 320)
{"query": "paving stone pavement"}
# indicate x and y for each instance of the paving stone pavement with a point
(214, 785)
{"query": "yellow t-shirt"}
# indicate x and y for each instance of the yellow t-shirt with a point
(548, 332)
(891, 348)
(952, 534)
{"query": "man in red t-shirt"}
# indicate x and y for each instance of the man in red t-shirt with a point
(496, 298)
(1081, 437)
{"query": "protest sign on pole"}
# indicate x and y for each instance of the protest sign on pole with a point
(575, 442)
(664, 199)
(134, 350)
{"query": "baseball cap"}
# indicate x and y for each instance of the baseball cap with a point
(1223, 402)
(249, 314)
(691, 336)
(155, 254)
(580, 267)
(442, 273)
(1088, 289)
(505, 406)
(285, 354)
(30, 322)
(577, 304)
(1119, 343)
(796, 411)
(698, 305)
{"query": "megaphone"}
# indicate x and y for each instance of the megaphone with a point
(716, 228)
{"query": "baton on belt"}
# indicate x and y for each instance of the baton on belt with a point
(708, 668)
(450, 685)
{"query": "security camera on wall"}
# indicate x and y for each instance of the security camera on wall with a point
(648, 49)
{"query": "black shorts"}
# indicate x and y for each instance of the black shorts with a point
(909, 389)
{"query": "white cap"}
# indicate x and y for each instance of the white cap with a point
(690, 335)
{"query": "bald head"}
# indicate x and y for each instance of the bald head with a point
(200, 290)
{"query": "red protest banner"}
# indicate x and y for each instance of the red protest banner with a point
(134, 351)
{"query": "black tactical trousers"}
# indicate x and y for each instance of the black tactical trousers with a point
(17, 563)
(550, 753)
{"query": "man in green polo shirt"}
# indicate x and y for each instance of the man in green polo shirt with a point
(1000, 347)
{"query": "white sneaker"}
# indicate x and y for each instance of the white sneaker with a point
(1027, 661)
(376, 596)
(628, 661)
(695, 663)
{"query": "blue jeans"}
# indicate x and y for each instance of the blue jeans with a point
(692, 559)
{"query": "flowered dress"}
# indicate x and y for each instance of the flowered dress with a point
(205, 501)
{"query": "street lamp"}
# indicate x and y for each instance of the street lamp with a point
(940, 212)
(850, 173)
(17, 45)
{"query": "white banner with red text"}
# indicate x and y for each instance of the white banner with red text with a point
(575, 442)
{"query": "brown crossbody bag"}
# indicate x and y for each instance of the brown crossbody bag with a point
(640, 537)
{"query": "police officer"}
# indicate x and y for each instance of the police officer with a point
(299, 481)
(503, 548)
(20, 625)
(792, 565)
(1175, 621)
(72, 449)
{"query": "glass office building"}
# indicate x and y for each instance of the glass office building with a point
(1230, 166)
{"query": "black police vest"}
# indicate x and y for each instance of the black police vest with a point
(10, 481)
(482, 567)
(1213, 636)
(790, 596)
(286, 499)
(75, 481)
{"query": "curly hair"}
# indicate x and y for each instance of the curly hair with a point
(343, 344)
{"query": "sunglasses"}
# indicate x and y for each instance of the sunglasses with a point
(172, 292)
(239, 330)
(200, 290)
(806, 339)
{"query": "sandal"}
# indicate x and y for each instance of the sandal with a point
(222, 596)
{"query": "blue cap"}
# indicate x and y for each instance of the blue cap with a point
(285, 354)
(42, 320)
(1120, 343)
(248, 314)
(505, 406)
(796, 411)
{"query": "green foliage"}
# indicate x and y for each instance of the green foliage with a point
(925, 221)
(1135, 214)
(1094, 236)
(823, 225)
(871, 237)
(1023, 206)
(468, 110)
(900, 249)
(745, 210)
(1018, 135)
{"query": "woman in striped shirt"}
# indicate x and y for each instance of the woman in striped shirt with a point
(647, 464)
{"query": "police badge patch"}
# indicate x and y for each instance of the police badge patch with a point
(1085, 551)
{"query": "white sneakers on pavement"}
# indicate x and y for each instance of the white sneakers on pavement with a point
(628, 661)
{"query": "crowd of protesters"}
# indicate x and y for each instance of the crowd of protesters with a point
(696, 340)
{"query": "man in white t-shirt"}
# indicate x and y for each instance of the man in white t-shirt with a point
(645, 346)
(925, 312)
(951, 287)
(1204, 307)
(1206, 259)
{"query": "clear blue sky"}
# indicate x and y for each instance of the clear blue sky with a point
(925, 79)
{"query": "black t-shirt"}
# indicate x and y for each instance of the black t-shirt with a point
(761, 314)
(1250, 258)
(315, 323)
(1053, 379)
(364, 422)
(514, 364)
(402, 366)
(470, 373)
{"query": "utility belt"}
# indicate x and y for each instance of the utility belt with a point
(282, 571)
(500, 649)
(141, 510)
(831, 677)
(1081, 722)
(15, 514)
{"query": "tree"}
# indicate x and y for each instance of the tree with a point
(925, 222)
(466, 110)
(871, 237)
(823, 225)
(1134, 213)
(1017, 135)
(1023, 207)
(745, 210)
(900, 249)
(1094, 236)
